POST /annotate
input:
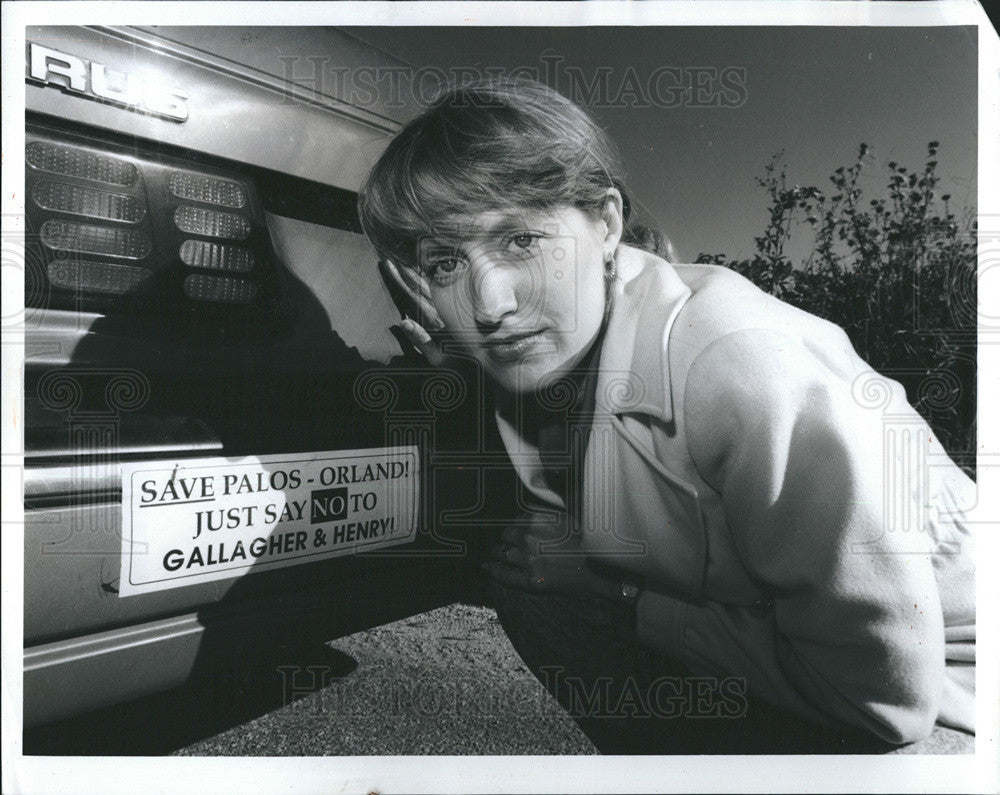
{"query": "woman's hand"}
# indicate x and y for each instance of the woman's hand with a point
(527, 557)
(412, 299)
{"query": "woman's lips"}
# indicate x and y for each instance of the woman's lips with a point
(512, 350)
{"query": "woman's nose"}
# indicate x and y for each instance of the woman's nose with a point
(493, 293)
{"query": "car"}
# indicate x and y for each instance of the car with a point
(227, 451)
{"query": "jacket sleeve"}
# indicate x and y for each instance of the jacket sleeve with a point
(807, 488)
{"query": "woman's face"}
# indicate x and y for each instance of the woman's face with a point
(523, 291)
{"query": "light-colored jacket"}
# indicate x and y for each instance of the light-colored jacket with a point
(795, 521)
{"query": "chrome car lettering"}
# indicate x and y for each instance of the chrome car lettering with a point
(96, 81)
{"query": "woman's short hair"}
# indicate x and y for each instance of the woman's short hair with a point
(495, 144)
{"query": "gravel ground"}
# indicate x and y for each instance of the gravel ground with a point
(442, 682)
(446, 681)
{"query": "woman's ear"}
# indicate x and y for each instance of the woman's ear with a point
(613, 216)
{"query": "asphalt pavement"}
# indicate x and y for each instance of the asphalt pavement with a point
(442, 682)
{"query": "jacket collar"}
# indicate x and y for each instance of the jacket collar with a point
(634, 375)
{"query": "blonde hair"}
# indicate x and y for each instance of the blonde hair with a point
(496, 144)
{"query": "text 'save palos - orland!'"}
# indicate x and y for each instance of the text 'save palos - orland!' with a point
(201, 519)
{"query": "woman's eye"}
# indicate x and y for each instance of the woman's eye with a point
(523, 240)
(449, 265)
(444, 269)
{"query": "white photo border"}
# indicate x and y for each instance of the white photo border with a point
(897, 773)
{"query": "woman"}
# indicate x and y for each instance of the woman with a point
(708, 469)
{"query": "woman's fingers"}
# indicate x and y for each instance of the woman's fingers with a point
(513, 535)
(527, 558)
(539, 541)
(569, 578)
(404, 291)
(410, 294)
(513, 578)
(542, 536)
(423, 342)
(509, 555)
(413, 300)
(416, 333)
(400, 292)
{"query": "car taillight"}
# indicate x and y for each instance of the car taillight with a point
(207, 189)
(219, 288)
(121, 230)
(62, 236)
(75, 162)
(77, 200)
(96, 277)
(211, 223)
(202, 254)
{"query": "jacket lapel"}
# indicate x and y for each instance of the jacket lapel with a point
(525, 457)
(633, 378)
(660, 513)
(633, 374)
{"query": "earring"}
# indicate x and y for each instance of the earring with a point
(610, 267)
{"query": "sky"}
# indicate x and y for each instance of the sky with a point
(814, 93)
